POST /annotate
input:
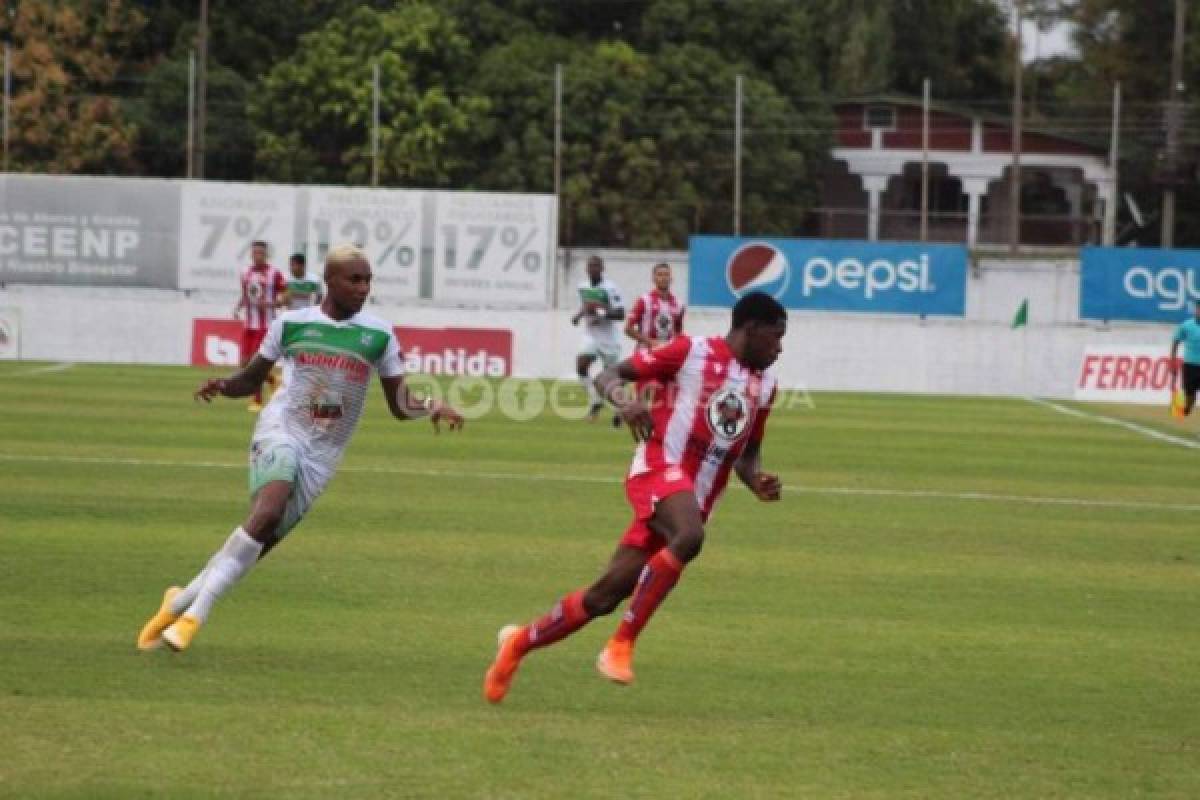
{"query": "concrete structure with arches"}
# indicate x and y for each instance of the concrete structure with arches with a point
(873, 189)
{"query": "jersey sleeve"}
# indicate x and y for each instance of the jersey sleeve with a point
(661, 363)
(615, 300)
(637, 312)
(280, 283)
(760, 419)
(391, 363)
(272, 344)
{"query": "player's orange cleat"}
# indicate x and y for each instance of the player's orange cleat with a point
(151, 635)
(179, 635)
(500, 674)
(615, 661)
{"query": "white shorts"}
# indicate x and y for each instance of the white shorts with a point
(280, 460)
(609, 353)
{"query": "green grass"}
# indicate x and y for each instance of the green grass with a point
(835, 645)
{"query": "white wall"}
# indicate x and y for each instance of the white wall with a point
(976, 355)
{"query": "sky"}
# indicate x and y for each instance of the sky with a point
(1043, 44)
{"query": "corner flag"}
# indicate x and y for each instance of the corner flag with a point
(1022, 316)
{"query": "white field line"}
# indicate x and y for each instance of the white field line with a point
(851, 491)
(1120, 423)
(23, 373)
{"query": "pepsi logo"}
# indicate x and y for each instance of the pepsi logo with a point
(758, 267)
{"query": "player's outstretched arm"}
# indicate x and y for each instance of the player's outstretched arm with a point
(242, 383)
(406, 404)
(612, 383)
(764, 485)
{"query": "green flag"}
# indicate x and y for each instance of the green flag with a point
(1022, 316)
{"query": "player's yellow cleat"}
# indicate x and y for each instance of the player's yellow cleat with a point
(151, 635)
(615, 661)
(180, 634)
(254, 407)
(500, 674)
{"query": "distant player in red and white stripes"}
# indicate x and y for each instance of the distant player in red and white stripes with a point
(707, 422)
(657, 316)
(263, 290)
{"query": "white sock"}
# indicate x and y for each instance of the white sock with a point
(590, 388)
(232, 561)
(181, 601)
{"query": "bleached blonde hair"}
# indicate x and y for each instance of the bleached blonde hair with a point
(344, 253)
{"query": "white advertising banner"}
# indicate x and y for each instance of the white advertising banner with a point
(1125, 374)
(218, 221)
(493, 249)
(10, 332)
(384, 222)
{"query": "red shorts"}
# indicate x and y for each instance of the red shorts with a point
(644, 493)
(252, 339)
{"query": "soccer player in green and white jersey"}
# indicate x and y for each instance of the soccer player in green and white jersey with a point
(600, 308)
(328, 353)
(304, 289)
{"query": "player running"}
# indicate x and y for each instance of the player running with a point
(304, 289)
(263, 290)
(657, 316)
(709, 421)
(1188, 333)
(328, 353)
(600, 307)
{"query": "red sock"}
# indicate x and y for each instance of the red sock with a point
(567, 616)
(659, 576)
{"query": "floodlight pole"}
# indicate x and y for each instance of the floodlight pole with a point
(201, 90)
(190, 145)
(1110, 210)
(737, 157)
(925, 102)
(7, 97)
(558, 143)
(375, 124)
(1174, 118)
(1014, 194)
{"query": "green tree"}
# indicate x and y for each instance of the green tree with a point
(963, 46)
(648, 140)
(65, 117)
(1130, 42)
(160, 114)
(313, 110)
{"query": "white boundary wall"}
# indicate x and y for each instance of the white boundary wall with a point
(979, 354)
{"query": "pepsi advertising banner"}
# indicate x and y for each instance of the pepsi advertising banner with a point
(1139, 285)
(822, 275)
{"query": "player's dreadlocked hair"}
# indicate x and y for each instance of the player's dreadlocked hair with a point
(758, 307)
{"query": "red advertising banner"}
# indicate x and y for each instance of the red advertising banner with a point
(477, 352)
(216, 342)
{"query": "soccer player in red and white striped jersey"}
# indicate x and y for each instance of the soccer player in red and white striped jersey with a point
(707, 421)
(657, 316)
(263, 289)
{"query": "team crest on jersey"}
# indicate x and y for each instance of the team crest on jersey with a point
(254, 291)
(728, 413)
(663, 325)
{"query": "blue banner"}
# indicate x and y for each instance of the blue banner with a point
(1141, 285)
(819, 275)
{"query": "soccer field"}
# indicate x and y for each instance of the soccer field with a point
(957, 598)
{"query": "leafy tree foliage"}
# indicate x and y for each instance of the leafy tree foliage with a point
(66, 59)
(313, 110)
